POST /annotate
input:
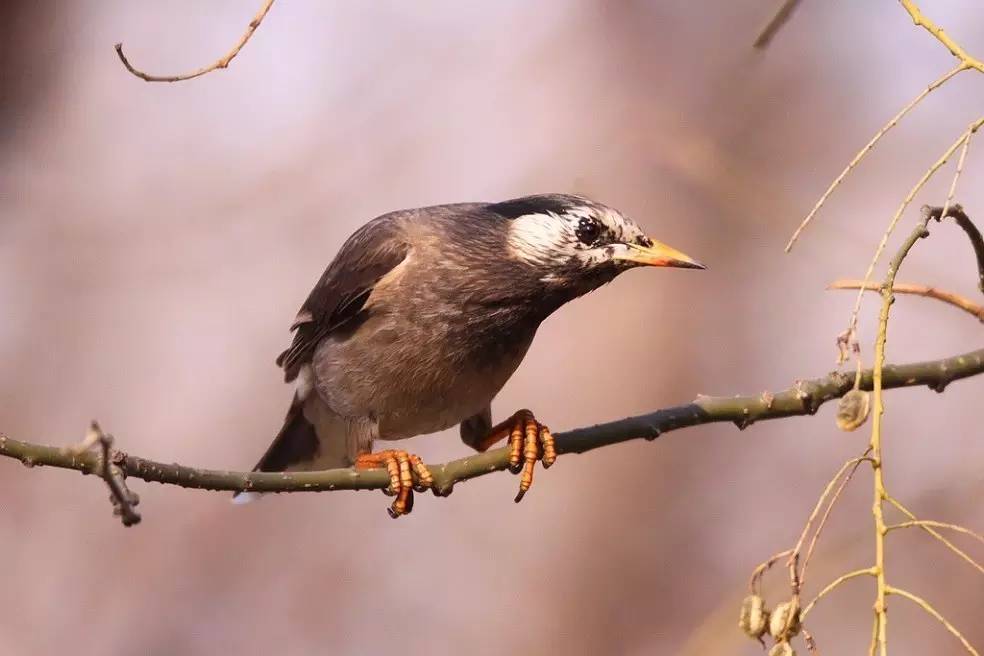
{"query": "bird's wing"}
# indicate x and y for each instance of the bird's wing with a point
(370, 253)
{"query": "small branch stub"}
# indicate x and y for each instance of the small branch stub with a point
(124, 501)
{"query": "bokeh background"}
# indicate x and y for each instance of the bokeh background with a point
(156, 241)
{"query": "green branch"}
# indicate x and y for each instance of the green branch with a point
(804, 398)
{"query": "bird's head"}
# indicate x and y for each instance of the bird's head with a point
(575, 241)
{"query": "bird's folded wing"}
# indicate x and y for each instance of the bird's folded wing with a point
(368, 255)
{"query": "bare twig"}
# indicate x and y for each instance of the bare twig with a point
(867, 148)
(879, 492)
(950, 298)
(804, 398)
(780, 18)
(930, 172)
(948, 210)
(926, 606)
(823, 520)
(755, 582)
(928, 522)
(221, 62)
(919, 19)
(936, 534)
(957, 214)
(830, 587)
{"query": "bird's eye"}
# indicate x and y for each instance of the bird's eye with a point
(588, 231)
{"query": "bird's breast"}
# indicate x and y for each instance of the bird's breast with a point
(421, 368)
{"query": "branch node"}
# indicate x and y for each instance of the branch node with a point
(111, 467)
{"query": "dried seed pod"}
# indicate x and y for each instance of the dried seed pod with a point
(784, 622)
(782, 649)
(754, 617)
(852, 410)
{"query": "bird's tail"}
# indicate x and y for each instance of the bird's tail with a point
(308, 428)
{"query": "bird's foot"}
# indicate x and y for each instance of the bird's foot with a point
(529, 441)
(407, 473)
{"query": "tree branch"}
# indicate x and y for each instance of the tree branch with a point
(957, 214)
(221, 62)
(804, 398)
(919, 19)
(950, 298)
(780, 18)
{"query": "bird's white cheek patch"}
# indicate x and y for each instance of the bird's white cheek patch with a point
(539, 238)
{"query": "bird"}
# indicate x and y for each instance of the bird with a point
(422, 317)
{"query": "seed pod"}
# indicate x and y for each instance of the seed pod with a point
(852, 410)
(782, 649)
(754, 617)
(785, 621)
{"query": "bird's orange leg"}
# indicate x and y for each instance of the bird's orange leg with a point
(529, 441)
(403, 468)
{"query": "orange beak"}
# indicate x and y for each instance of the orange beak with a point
(658, 254)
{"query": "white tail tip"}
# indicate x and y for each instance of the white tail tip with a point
(243, 498)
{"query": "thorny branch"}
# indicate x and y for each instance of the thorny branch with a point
(221, 62)
(804, 398)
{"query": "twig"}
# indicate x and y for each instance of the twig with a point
(950, 298)
(879, 492)
(796, 574)
(804, 398)
(957, 214)
(971, 129)
(780, 18)
(867, 571)
(811, 643)
(921, 21)
(123, 499)
(926, 606)
(928, 522)
(221, 62)
(754, 582)
(823, 521)
(936, 534)
(867, 148)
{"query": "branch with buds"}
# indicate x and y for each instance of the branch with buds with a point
(803, 398)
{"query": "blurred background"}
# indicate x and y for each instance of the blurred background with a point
(157, 239)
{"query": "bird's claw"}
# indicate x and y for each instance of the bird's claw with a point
(407, 473)
(529, 441)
